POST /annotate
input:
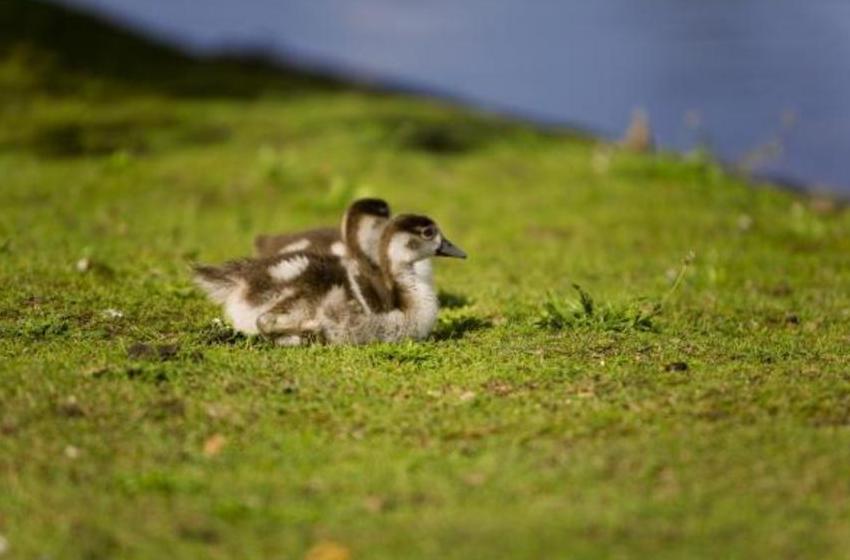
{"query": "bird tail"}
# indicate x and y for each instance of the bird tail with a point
(215, 281)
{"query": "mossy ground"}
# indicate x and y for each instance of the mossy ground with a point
(709, 420)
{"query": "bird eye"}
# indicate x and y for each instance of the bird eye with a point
(429, 232)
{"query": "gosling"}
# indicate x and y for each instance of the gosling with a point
(359, 236)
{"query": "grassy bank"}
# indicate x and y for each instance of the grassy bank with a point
(697, 407)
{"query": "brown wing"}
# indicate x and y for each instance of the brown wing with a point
(320, 240)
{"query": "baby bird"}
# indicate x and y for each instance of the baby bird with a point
(359, 235)
(363, 223)
(300, 297)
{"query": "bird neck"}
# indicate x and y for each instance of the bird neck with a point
(359, 237)
(413, 295)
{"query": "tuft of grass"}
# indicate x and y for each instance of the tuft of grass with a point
(640, 315)
(456, 323)
(583, 313)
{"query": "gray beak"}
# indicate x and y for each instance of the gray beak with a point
(449, 249)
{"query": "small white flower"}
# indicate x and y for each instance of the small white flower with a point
(72, 452)
(84, 264)
(112, 313)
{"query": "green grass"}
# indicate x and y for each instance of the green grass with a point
(691, 400)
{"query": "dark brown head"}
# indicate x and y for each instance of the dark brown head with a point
(409, 238)
(362, 225)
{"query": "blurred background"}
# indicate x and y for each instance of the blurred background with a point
(762, 84)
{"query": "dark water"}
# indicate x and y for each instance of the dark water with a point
(765, 81)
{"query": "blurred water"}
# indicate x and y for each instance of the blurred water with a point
(735, 73)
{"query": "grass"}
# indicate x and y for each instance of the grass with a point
(665, 410)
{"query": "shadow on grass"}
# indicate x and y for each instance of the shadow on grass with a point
(444, 135)
(98, 135)
(455, 328)
(219, 334)
(451, 300)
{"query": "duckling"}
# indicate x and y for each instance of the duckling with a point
(364, 222)
(301, 297)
